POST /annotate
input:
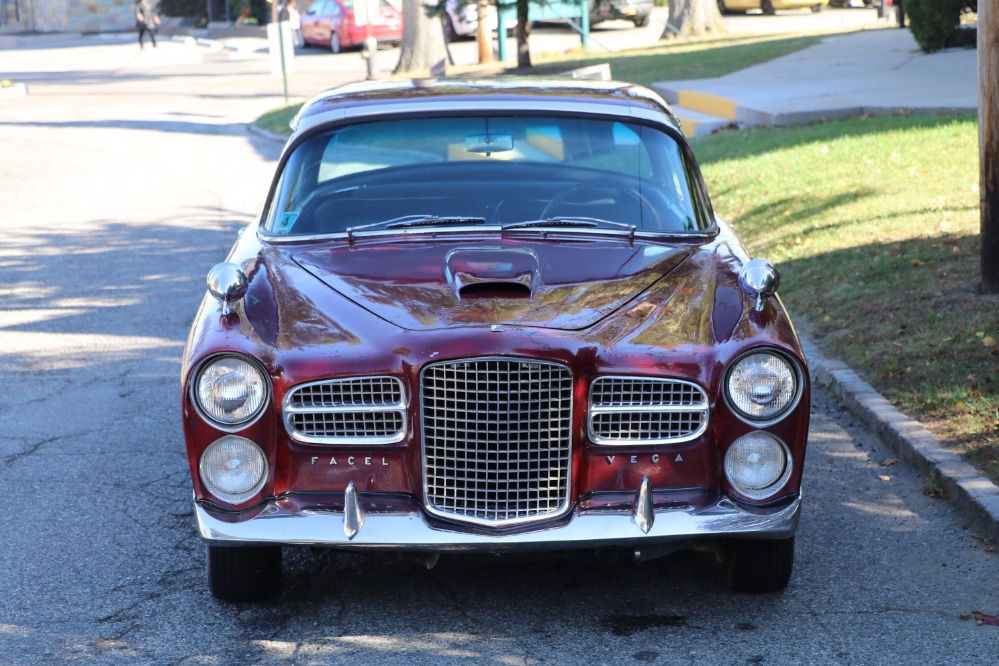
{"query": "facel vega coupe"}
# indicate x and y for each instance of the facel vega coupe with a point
(492, 317)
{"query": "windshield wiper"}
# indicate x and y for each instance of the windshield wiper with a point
(417, 221)
(578, 222)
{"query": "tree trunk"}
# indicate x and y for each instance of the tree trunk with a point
(423, 50)
(693, 18)
(523, 32)
(988, 140)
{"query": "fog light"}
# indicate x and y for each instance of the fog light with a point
(233, 469)
(757, 465)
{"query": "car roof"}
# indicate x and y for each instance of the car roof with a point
(469, 95)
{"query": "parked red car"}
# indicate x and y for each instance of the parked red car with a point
(331, 23)
(496, 317)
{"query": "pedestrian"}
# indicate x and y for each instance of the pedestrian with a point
(900, 13)
(146, 20)
(287, 12)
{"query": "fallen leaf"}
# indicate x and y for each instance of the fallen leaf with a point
(985, 618)
(989, 341)
(888, 462)
(885, 477)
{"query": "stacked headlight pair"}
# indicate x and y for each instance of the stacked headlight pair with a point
(231, 392)
(761, 387)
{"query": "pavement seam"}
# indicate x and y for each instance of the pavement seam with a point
(973, 495)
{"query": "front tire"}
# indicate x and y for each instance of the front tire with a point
(818, 8)
(757, 566)
(250, 573)
(641, 21)
(722, 7)
(335, 43)
(768, 7)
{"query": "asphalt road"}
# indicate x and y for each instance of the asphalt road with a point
(124, 176)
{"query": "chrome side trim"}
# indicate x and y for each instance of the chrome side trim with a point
(411, 531)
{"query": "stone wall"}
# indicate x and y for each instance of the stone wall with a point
(76, 15)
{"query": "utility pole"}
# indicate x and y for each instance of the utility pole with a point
(988, 140)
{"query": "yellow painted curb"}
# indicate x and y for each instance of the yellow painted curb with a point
(688, 126)
(706, 103)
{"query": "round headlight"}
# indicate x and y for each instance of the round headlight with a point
(230, 390)
(233, 469)
(762, 386)
(757, 465)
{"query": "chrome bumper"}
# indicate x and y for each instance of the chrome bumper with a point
(353, 529)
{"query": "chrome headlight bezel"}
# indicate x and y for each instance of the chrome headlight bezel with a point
(236, 425)
(770, 419)
(760, 492)
(234, 498)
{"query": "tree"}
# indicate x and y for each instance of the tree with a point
(523, 33)
(423, 49)
(692, 18)
(988, 140)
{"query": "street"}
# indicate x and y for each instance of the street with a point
(125, 175)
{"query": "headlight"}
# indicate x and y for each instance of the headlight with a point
(233, 469)
(230, 390)
(757, 465)
(761, 386)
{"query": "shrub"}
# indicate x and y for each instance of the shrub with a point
(936, 24)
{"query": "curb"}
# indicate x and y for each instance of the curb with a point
(732, 110)
(974, 496)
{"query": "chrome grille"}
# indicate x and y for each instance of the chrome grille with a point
(496, 439)
(360, 410)
(628, 410)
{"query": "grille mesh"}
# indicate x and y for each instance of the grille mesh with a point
(362, 410)
(641, 409)
(496, 439)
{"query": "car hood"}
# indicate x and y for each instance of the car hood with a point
(431, 285)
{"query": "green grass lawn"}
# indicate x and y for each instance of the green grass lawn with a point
(874, 225)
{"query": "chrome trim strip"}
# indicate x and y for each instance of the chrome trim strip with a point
(410, 531)
(457, 107)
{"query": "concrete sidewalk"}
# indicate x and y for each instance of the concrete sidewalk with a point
(870, 72)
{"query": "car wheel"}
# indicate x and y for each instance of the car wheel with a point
(335, 43)
(757, 565)
(722, 7)
(642, 21)
(247, 573)
(768, 7)
(818, 8)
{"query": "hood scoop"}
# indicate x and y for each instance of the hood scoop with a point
(481, 273)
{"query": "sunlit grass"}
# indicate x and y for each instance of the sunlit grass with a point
(874, 225)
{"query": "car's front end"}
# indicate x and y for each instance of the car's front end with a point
(466, 324)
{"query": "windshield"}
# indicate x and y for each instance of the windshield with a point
(514, 172)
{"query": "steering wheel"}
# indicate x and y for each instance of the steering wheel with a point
(565, 196)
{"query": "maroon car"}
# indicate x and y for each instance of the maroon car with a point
(492, 317)
(332, 23)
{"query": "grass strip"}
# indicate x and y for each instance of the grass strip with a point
(874, 225)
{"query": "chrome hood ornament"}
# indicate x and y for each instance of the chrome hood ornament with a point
(227, 283)
(759, 280)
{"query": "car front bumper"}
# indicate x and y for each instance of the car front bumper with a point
(355, 528)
